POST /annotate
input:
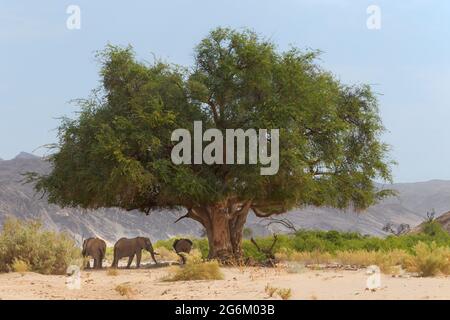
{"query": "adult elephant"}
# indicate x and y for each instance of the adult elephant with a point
(95, 248)
(182, 246)
(132, 247)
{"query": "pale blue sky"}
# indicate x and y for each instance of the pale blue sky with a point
(43, 65)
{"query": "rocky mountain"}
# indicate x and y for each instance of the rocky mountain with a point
(20, 200)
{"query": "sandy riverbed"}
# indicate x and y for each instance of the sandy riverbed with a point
(246, 283)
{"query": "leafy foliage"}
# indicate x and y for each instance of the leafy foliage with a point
(117, 152)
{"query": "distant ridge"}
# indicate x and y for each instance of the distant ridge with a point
(25, 156)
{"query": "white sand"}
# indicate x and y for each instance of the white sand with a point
(245, 283)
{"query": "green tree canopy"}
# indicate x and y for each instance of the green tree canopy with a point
(116, 153)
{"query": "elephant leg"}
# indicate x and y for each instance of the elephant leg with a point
(138, 259)
(153, 257)
(115, 263)
(183, 259)
(95, 263)
(130, 260)
(100, 262)
(88, 264)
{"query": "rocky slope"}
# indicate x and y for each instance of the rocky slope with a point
(19, 200)
(443, 220)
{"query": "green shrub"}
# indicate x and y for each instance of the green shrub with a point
(316, 247)
(42, 251)
(334, 241)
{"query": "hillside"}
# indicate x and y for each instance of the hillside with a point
(443, 220)
(20, 200)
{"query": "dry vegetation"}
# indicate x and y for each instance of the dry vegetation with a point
(26, 246)
(425, 260)
(285, 293)
(112, 272)
(270, 290)
(20, 266)
(195, 269)
(125, 290)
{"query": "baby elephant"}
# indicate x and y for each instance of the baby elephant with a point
(182, 246)
(95, 248)
(132, 247)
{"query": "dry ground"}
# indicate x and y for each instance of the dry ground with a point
(239, 283)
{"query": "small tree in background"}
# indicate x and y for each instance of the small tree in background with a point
(117, 152)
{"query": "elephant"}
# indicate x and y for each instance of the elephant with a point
(95, 248)
(182, 246)
(132, 247)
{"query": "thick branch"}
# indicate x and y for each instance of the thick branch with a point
(266, 210)
(214, 111)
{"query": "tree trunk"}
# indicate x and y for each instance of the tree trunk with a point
(224, 225)
(236, 232)
(219, 237)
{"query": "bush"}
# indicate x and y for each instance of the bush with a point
(42, 251)
(429, 260)
(196, 270)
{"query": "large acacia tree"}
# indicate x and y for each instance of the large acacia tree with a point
(116, 153)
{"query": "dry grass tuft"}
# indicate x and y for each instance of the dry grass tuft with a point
(285, 293)
(195, 270)
(112, 272)
(20, 266)
(125, 290)
(270, 290)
